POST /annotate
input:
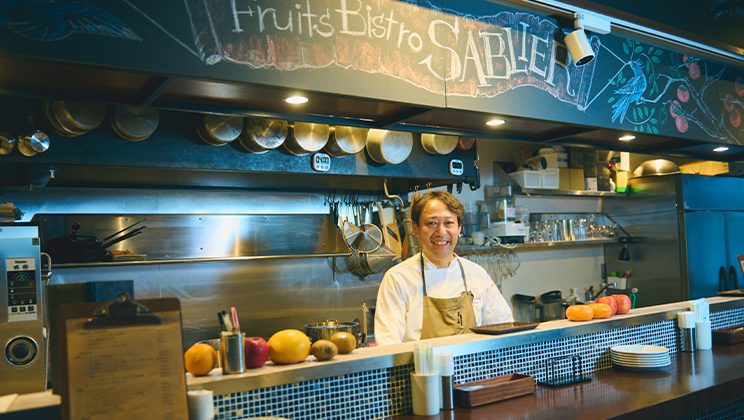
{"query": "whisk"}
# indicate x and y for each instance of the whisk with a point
(511, 262)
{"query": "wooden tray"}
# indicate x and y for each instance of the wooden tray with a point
(730, 335)
(504, 328)
(485, 391)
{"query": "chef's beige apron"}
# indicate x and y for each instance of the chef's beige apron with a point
(450, 316)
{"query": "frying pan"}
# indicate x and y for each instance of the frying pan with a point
(76, 248)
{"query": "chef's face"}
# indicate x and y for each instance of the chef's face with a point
(437, 230)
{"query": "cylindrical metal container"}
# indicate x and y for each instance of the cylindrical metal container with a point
(232, 352)
(325, 330)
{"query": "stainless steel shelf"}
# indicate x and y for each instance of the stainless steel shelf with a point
(539, 244)
(197, 260)
(549, 192)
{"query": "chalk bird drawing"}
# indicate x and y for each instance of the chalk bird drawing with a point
(631, 92)
(53, 21)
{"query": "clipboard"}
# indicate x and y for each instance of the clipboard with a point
(121, 360)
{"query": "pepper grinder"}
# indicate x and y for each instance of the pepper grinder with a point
(686, 321)
(447, 372)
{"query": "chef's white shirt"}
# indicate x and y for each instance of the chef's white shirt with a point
(399, 309)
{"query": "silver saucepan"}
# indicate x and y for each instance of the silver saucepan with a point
(325, 330)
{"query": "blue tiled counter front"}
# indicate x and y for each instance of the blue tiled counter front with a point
(374, 383)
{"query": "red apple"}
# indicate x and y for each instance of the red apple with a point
(608, 300)
(256, 352)
(623, 303)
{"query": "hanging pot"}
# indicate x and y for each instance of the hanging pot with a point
(385, 146)
(33, 143)
(219, 130)
(7, 143)
(345, 141)
(437, 144)
(135, 124)
(465, 143)
(71, 119)
(261, 135)
(304, 138)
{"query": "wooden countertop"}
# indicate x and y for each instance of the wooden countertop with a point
(692, 383)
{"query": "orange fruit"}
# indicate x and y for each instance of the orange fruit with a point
(288, 346)
(579, 313)
(200, 359)
(601, 310)
(324, 349)
(345, 342)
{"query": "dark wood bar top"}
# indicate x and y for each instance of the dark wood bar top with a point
(692, 383)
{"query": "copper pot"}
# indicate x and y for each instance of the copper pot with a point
(72, 119)
(344, 141)
(385, 146)
(437, 144)
(135, 124)
(304, 138)
(261, 135)
(219, 130)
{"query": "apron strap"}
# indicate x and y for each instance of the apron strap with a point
(423, 275)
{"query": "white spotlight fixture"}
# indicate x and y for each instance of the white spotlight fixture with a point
(626, 138)
(296, 99)
(577, 43)
(495, 122)
(720, 149)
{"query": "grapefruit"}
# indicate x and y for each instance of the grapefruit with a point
(200, 359)
(288, 346)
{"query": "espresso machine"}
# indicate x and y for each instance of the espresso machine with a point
(22, 365)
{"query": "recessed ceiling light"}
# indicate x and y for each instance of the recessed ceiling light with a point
(626, 138)
(720, 149)
(495, 122)
(296, 100)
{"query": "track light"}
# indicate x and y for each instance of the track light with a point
(577, 42)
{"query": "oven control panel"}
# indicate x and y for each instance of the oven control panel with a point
(21, 289)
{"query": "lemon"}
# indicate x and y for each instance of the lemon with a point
(345, 342)
(200, 359)
(324, 349)
(288, 346)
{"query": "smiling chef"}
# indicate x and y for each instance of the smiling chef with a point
(435, 293)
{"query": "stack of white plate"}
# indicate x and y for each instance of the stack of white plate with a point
(640, 357)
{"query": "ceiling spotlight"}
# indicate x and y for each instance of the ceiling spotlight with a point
(495, 122)
(720, 149)
(296, 100)
(626, 138)
(578, 44)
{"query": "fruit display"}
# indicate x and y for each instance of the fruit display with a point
(601, 310)
(288, 346)
(603, 307)
(346, 342)
(579, 313)
(324, 349)
(609, 301)
(200, 359)
(256, 351)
